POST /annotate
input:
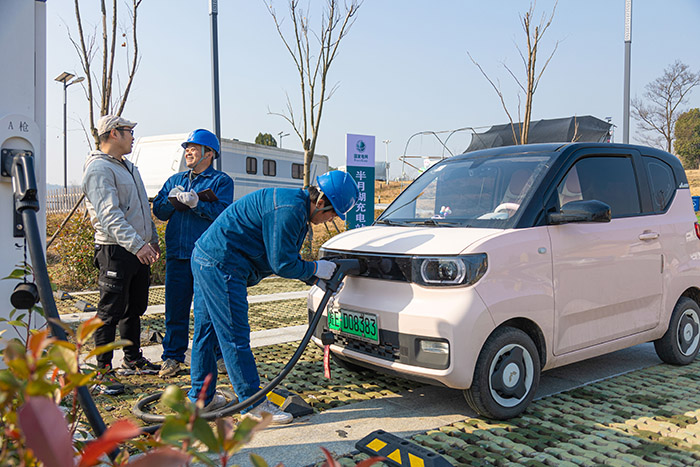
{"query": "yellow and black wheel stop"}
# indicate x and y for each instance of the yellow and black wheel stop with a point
(399, 452)
(290, 402)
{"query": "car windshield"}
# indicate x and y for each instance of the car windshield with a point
(469, 192)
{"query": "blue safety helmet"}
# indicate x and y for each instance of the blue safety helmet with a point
(205, 138)
(340, 188)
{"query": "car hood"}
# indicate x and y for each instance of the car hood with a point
(409, 240)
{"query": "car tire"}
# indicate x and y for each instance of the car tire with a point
(346, 365)
(491, 395)
(681, 342)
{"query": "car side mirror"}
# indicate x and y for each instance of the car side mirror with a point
(581, 211)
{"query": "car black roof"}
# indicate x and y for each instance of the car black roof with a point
(558, 150)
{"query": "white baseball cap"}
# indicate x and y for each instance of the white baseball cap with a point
(108, 123)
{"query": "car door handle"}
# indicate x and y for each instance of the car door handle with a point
(648, 235)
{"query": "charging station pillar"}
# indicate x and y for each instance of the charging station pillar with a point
(22, 125)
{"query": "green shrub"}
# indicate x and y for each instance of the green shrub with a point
(70, 258)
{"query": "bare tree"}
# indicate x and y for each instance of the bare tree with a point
(313, 53)
(100, 88)
(528, 86)
(658, 111)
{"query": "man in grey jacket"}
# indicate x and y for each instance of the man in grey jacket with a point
(126, 242)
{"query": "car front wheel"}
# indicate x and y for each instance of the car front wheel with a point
(680, 344)
(506, 376)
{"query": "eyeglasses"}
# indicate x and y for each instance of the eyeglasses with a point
(130, 130)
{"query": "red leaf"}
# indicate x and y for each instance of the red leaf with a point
(120, 431)
(163, 457)
(370, 461)
(46, 432)
(330, 462)
(38, 342)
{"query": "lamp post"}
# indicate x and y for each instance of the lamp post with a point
(64, 78)
(628, 59)
(280, 135)
(213, 15)
(386, 160)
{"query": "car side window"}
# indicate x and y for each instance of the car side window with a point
(662, 181)
(609, 179)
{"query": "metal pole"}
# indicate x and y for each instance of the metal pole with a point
(213, 13)
(65, 145)
(386, 160)
(628, 59)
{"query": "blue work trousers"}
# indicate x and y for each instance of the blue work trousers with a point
(178, 301)
(220, 313)
(178, 298)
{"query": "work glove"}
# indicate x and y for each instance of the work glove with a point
(175, 191)
(324, 269)
(188, 198)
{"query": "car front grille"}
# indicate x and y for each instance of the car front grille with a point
(385, 351)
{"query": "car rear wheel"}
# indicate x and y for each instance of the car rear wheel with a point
(680, 344)
(506, 376)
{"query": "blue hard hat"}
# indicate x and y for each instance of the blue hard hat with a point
(205, 138)
(340, 188)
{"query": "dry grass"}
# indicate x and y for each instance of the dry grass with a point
(694, 181)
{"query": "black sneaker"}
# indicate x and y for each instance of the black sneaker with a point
(108, 383)
(138, 367)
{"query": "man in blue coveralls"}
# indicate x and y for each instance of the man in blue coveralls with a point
(188, 217)
(258, 235)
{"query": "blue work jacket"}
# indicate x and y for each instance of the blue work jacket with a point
(185, 227)
(261, 234)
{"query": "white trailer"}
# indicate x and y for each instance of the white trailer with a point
(251, 166)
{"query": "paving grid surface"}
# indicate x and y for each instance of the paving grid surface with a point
(261, 316)
(156, 295)
(643, 418)
(306, 379)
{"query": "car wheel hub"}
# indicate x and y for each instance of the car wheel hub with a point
(508, 375)
(511, 375)
(688, 332)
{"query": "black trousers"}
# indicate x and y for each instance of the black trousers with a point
(123, 283)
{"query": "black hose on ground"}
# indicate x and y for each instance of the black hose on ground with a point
(344, 267)
(27, 204)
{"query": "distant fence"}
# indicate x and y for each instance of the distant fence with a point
(59, 201)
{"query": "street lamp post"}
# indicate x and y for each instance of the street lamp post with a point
(280, 135)
(628, 59)
(64, 78)
(386, 160)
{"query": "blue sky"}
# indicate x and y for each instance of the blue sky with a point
(402, 69)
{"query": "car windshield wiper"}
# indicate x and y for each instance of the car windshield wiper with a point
(433, 222)
(389, 222)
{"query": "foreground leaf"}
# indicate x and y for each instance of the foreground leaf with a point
(257, 461)
(46, 432)
(87, 328)
(119, 432)
(108, 348)
(163, 457)
(203, 432)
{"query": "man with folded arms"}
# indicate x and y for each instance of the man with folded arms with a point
(188, 216)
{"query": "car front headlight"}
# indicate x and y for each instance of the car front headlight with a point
(449, 270)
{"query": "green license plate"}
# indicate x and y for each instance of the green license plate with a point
(355, 323)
